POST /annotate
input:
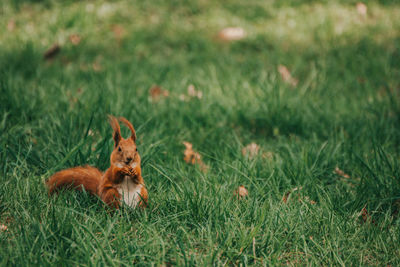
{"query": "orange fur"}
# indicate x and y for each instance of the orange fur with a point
(144, 195)
(106, 185)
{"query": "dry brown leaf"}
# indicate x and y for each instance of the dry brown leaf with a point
(341, 173)
(366, 217)
(52, 51)
(75, 39)
(119, 31)
(286, 196)
(251, 150)
(241, 192)
(308, 200)
(286, 76)
(3, 227)
(193, 92)
(192, 157)
(232, 34)
(361, 8)
(11, 25)
(97, 66)
(156, 92)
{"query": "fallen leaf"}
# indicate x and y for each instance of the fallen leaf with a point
(308, 200)
(341, 173)
(241, 192)
(11, 25)
(3, 227)
(192, 157)
(366, 217)
(286, 76)
(119, 31)
(52, 51)
(364, 214)
(232, 34)
(286, 196)
(75, 39)
(156, 92)
(97, 66)
(361, 8)
(251, 150)
(193, 92)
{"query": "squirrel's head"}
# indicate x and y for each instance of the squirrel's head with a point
(125, 150)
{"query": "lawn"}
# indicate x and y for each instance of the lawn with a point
(314, 85)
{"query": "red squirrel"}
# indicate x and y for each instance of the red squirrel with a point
(121, 183)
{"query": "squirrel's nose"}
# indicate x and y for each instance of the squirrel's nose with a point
(128, 159)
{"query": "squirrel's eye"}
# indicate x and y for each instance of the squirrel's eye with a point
(136, 149)
(119, 149)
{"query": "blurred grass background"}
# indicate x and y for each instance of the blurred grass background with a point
(343, 113)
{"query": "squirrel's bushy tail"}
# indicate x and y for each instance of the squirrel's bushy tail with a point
(88, 177)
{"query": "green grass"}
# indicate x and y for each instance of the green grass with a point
(345, 113)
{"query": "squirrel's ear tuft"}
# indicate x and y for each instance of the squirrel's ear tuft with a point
(117, 130)
(130, 126)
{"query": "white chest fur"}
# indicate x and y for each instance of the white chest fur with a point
(130, 192)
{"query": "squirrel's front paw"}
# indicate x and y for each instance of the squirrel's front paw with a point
(128, 170)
